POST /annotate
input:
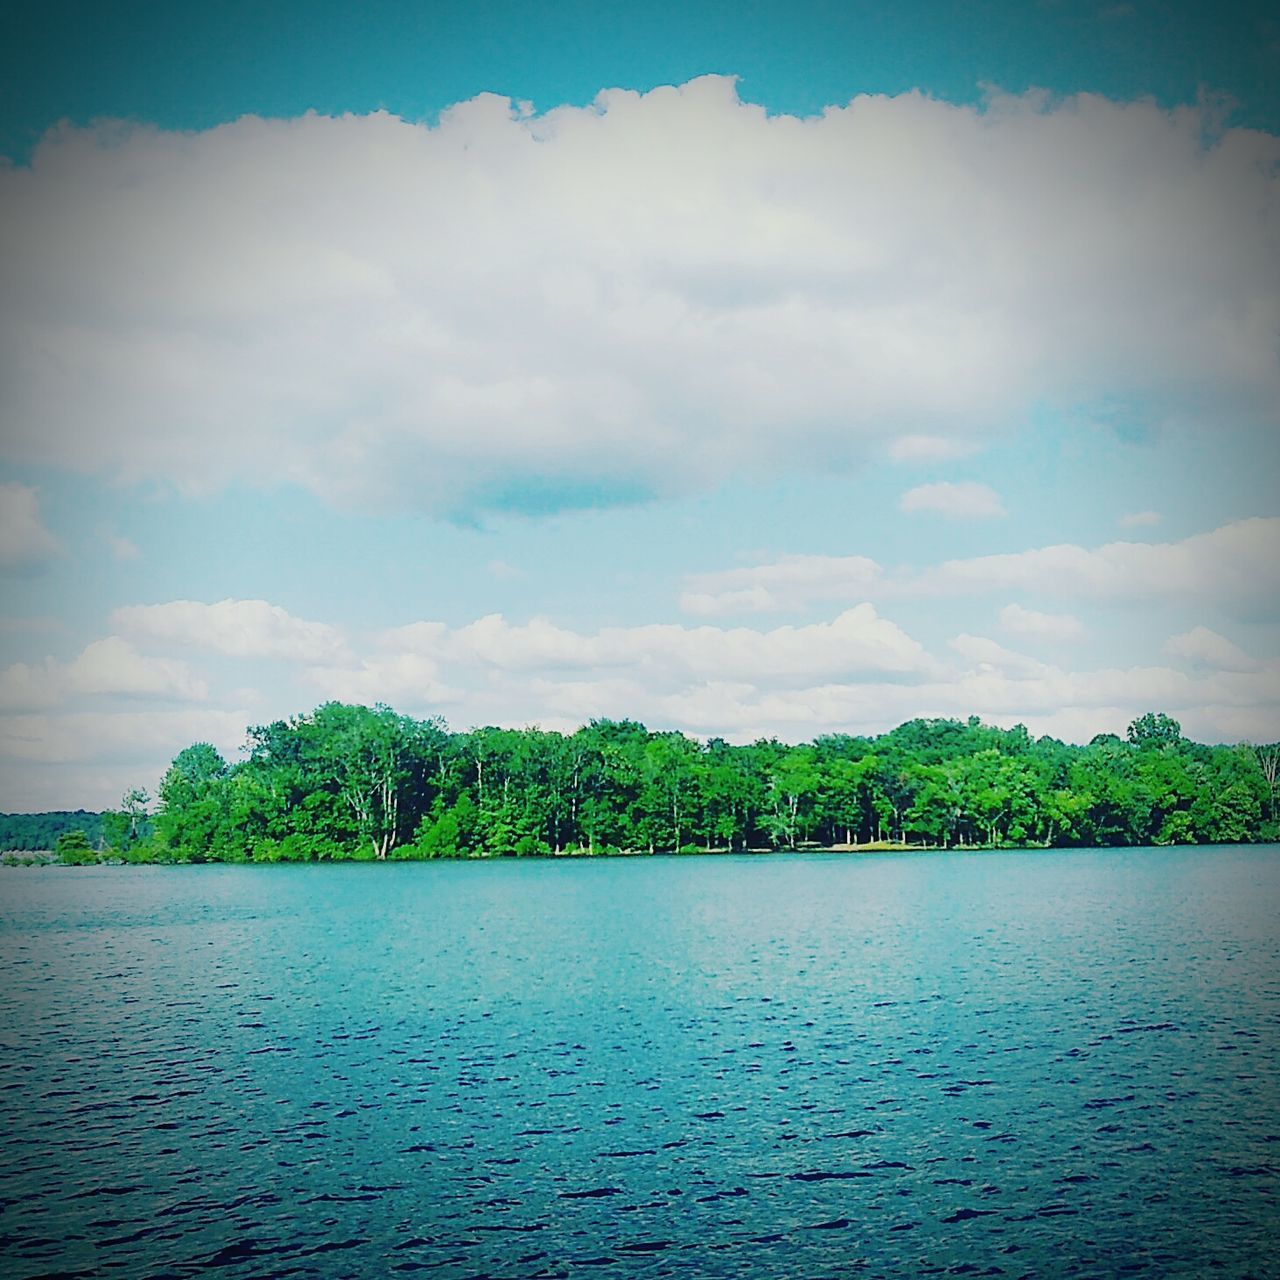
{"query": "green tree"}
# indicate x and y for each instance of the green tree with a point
(1154, 729)
(666, 804)
(191, 814)
(727, 794)
(364, 782)
(123, 828)
(936, 806)
(373, 761)
(1268, 758)
(794, 790)
(73, 849)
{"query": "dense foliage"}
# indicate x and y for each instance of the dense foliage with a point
(74, 849)
(27, 831)
(366, 783)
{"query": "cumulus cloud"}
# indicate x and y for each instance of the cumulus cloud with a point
(113, 665)
(593, 305)
(400, 679)
(25, 543)
(1005, 683)
(1001, 686)
(857, 642)
(857, 673)
(987, 657)
(1040, 626)
(1138, 519)
(237, 628)
(790, 582)
(1237, 565)
(966, 500)
(1205, 648)
(1067, 705)
(107, 667)
(26, 685)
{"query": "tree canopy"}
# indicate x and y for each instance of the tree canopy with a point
(30, 831)
(365, 783)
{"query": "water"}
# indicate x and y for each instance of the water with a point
(1039, 1064)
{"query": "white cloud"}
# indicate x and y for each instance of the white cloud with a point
(403, 679)
(856, 643)
(238, 628)
(790, 582)
(1236, 566)
(26, 685)
(1204, 648)
(986, 657)
(858, 673)
(1074, 707)
(494, 671)
(114, 666)
(1137, 519)
(24, 541)
(930, 449)
(639, 296)
(1040, 626)
(1002, 687)
(966, 500)
(107, 667)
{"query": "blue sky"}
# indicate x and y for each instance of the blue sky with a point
(742, 370)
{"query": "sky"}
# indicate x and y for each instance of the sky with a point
(749, 370)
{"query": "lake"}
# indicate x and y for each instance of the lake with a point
(1004, 1064)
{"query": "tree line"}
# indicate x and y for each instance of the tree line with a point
(365, 783)
(25, 832)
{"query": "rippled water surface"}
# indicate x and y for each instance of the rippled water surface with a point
(1011, 1064)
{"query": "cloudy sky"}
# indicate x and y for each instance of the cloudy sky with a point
(746, 370)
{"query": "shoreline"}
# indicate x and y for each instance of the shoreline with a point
(47, 858)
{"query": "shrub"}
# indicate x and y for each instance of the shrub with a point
(73, 849)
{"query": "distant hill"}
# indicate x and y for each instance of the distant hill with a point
(27, 831)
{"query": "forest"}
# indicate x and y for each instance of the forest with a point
(29, 831)
(365, 783)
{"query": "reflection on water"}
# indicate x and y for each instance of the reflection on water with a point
(991, 1064)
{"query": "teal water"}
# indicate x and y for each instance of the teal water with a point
(1005, 1064)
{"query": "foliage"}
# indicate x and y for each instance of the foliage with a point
(364, 783)
(1154, 729)
(28, 831)
(73, 849)
(126, 830)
